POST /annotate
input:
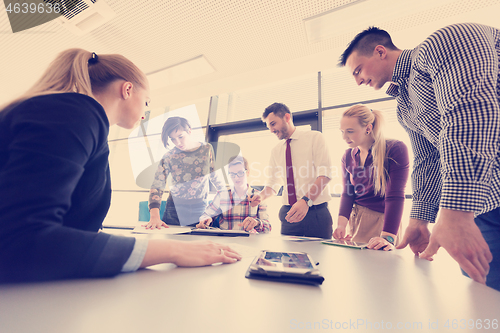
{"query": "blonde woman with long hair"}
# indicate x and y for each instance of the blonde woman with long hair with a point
(54, 175)
(375, 171)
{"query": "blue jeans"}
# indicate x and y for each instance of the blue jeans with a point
(183, 212)
(489, 224)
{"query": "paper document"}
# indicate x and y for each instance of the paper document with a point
(171, 230)
(303, 239)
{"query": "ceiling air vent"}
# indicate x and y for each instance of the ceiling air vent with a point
(82, 16)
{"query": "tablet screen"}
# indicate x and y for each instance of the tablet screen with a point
(285, 260)
(294, 267)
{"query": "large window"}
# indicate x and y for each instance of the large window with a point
(316, 100)
(299, 94)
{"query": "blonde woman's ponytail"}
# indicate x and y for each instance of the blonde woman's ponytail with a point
(379, 154)
(70, 71)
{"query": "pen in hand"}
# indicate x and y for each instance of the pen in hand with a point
(204, 224)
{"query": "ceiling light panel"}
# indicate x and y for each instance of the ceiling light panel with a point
(184, 71)
(360, 14)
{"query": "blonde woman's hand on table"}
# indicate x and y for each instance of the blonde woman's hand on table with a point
(188, 253)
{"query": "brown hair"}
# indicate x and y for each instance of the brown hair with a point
(70, 71)
(365, 117)
(238, 160)
(279, 110)
(173, 124)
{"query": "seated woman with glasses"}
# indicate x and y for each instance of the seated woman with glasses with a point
(237, 214)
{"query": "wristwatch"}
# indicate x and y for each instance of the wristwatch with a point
(388, 238)
(308, 201)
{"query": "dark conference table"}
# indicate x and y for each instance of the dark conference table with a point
(363, 291)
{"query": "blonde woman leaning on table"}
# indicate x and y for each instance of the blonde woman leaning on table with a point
(375, 171)
(54, 176)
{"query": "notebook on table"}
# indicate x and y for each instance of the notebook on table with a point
(219, 232)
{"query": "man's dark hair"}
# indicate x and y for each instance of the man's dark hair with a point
(173, 124)
(365, 42)
(279, 110)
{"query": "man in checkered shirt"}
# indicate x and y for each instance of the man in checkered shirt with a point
(448, 95)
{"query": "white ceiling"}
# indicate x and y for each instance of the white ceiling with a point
(249, 43)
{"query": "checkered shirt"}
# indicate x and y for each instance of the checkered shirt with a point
(448, 95)
(235, 210)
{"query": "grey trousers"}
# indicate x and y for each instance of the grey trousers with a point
(317, 222)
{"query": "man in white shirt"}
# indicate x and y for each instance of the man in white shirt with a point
(302, 163)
